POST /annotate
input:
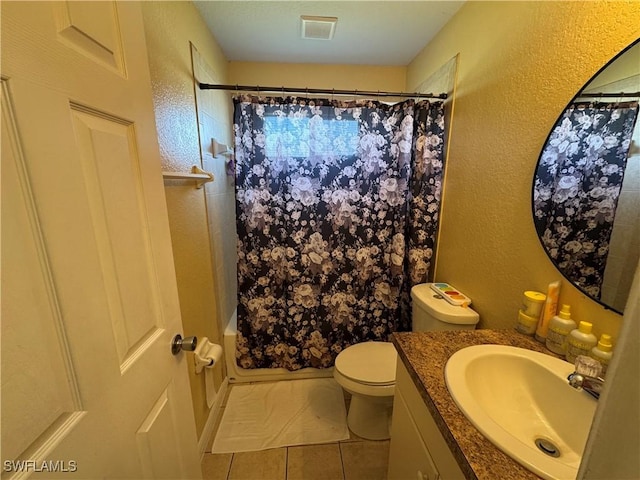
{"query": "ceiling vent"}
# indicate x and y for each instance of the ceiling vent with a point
(318, 28)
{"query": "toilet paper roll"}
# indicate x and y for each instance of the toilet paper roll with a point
(207, 355)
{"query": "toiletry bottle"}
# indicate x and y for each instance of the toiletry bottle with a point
(602, 352)
(526, 323)
(580, 341)
(532, 303)
(549, 309)
(559, 327)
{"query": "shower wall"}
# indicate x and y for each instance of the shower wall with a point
(214, 111)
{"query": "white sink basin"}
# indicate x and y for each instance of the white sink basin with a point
(516, 397)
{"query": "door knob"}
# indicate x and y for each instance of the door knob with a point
(178, 344)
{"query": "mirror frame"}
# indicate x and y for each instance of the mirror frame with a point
(535, 173)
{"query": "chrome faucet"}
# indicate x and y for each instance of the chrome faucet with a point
(586, 377)
(591, 385)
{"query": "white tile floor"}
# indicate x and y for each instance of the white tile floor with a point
(352, 459)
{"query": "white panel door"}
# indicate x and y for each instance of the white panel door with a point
(90, 388)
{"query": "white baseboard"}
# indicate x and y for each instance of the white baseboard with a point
(207, 433)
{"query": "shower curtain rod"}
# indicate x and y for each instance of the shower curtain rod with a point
(610, 95)
(325, 91)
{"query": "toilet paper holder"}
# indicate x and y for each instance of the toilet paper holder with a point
(206, 355)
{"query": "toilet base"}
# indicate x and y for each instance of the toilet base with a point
(370, 417)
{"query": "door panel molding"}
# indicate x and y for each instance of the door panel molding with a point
(100, 41)
(110, 163)
(46, 389)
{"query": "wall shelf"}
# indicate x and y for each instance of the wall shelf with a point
(200, 176)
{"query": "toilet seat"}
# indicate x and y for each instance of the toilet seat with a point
(368, 363)
(368, 372)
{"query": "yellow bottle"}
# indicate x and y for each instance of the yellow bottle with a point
(580, 341)
(559, 328)
(549, 309)
(602, 352)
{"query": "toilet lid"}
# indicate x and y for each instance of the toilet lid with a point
(372, 363)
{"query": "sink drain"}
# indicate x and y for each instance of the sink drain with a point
(547, 447)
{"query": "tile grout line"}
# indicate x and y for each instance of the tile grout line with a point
(286, 463)
(230, 465)
(344, 475)
(341, 461)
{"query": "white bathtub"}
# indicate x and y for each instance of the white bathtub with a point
(237, 374)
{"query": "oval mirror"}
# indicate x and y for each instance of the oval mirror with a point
(586, 188)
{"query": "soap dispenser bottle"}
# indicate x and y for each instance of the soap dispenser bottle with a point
(559, 327)
(602, 352)
(580, 341)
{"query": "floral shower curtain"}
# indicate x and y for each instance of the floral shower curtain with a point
(337, 211)
(577, 187)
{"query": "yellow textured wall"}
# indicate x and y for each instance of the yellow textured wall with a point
(345, 77)
(169, 27)
(520, 63)
(215, 114)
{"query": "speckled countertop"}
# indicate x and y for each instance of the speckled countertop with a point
(425, 355)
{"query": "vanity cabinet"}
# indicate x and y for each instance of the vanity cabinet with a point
(417, 450)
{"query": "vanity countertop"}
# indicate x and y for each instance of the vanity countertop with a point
(425, 355)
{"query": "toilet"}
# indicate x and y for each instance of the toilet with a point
(368, 370)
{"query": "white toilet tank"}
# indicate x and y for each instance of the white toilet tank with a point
(432, 312)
